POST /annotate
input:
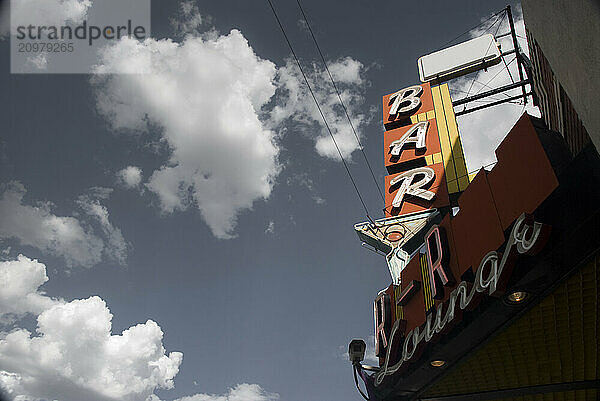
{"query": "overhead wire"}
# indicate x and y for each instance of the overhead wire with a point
(470, 29)
(340, 99)
(489, 87)
(490, 45)
(509, 73)
(345, 108)
(320, 110)
(494, 77)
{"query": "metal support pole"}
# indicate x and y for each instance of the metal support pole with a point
(506, 53)
(502, 35)
(508, 99)
(491, 92)
(516, 46)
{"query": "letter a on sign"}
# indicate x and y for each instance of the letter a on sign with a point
(416, 134)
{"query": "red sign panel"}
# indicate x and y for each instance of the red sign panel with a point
(460, 260)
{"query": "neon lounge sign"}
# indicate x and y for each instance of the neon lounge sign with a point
(526, 237)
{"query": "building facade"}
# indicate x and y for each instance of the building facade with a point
(495, 277)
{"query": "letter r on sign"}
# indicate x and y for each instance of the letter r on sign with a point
(383, 320)
(437, 257)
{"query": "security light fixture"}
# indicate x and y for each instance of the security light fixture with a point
(356, 351)
(517, 297)
(437, 363)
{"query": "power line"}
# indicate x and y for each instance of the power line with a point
(490, 45)
(340, 98)
(494, 77)
(319, 108)
(475, 27)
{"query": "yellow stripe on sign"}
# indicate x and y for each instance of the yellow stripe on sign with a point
(464, 182)
(399, 310)
(458, 156)
(453, 186)
(426, 282)
(434, 158)
(424, 276)
(429, 284)
(461, 171)
(443, 133)
(430, 114)
(414, 119)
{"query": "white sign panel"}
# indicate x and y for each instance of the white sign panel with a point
(460, 59)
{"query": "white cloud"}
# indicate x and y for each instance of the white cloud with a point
(39, 61)
(48, 12)
(114, 243)
(20, 280)
(482, 131)
(212, 97)
(303, 180)
(38, 227)
(75, 357)
(130, 176)
(69, 237)
(241, 392)
(370, 352)
(270, 230)
(297, 105)
(206, 95)
(189, 20)
(347, 71)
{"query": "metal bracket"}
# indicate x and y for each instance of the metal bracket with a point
(523, 63)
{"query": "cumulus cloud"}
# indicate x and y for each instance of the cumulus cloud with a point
(39, 61)
(130, 176)
(114, 243)
(20, 281)
(188, 20)
(241, 392)
(303, 180)
(38, 227)
(206, 95)
(270, 230)
(74, 356)
(47, 12)
(482, 131)
(218, 106)
(65, 236)
(295, 104)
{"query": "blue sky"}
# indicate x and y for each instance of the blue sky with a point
(188, 232)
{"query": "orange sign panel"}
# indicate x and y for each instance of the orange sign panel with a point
(399, 106)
